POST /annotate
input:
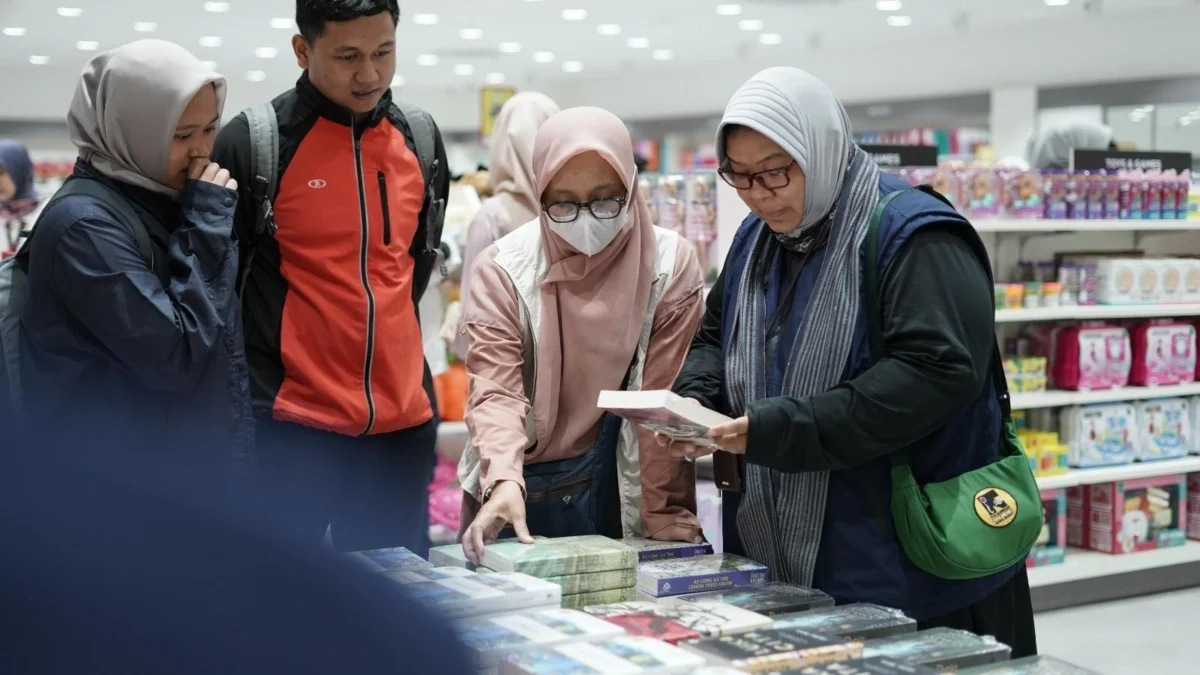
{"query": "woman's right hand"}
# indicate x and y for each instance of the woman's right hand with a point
(209, 172)
(505, 506)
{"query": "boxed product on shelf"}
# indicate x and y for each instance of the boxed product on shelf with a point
(703, 573)
(651, 549)
(1051, 546)
(982, 193)
(943, 649)
(1030, 665)
(670, 192)
(859, 621)
(1127, 281)
(1164, 352)
(1048, 456)
(1104, 434)
(1026, 374)
(1193, 506)
(685, 621)
(1091, 356)
(488, 639)
(628, 654)
(773, 650)
(769, 599)
(1023, 194)
(1129, 516)
(1164, 429)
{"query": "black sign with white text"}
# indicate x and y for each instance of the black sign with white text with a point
(888, 156)
(1113, 160)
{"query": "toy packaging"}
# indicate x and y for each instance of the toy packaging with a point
(850, 622)
(1051, 546)
(1092, 357)
(1112, 195)
(943, 649)
(1193, 506)
(1026, 374)
(701, 227)
(649, 188)
(1101, 434)
(1024, 195)
(1164, 429)
(1047, 454)
(1054, 185)
(982, 189)
(1171, 285)
(1030, 665)
(671, 195)
(1164, 352)
(1190, 268)
(1128, 516)
(1096, 183)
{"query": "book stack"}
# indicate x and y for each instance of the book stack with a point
(850, 622)
(664, 578)
(769, 599)
(877, 665)
(385, 559)
(943, 649)
(453, 556)
(685, 622)
(483, 594)
(649, 550)
(490, 639)
(1030, 665)
(589, 570)
(774, 650)
(629, 654)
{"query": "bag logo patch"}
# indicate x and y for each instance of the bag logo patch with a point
(995, 507)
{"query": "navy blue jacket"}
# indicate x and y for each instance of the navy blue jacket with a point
(115, 354)
(860, 559)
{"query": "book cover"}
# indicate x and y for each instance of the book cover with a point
(630, 654)
(774, 649)
(492, 637)
(873, 666)
(595, 582)
(850, 622)
(415, 575)
(939, 648)
(1030, 665)
(582, 600)
(664, 412)
(389, 559)
(486, 593)
(452, 556)
(706, 619)
(770, 599)
(651, 625)
(649, 550)
(560, 557)
(701, 573)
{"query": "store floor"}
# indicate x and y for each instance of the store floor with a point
(1154, 634)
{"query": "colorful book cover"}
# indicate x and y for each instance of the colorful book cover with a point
(939, 648)
(390, 558)
(649, 549)
(873, 666)
(492, 637)
(651, 625)
(706, 619)
(1030, 665)
(774, 650)
(415, 575)
(770, 599)
(630, 654)
(702, 573)
(560, 557)
(850, 622)
(596, 581)
(581, 600)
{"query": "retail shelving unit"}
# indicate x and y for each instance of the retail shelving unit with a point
(1014, 226)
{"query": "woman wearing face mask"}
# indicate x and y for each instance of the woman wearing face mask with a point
(822, 417)
(510, 175)
(131, 332)
(588, 297)
(18, 200)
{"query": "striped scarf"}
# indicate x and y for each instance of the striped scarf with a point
(781, 516)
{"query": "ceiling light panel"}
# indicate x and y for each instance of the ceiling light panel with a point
(70, 12)
(608, 29)
(220, 8)
(145, 26)
(425, 19)
(574, 14)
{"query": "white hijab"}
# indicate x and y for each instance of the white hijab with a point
(1051, 147)
(802, 116)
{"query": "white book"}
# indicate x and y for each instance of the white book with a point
(418, 575)
(485, 594)
(662, 411)
(491, 638)
(620, 656)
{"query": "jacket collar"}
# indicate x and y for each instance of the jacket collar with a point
(333, 112)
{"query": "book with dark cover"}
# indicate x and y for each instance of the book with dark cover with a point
(877, 665)
(560, 557)
(708, 620)
(703, 573)
(940, 648)
(770, 599)
(649, 550)
(774, 650)
(582, 600)
(389, 559)
(1030, 665)
(630, 654)
(850, 622)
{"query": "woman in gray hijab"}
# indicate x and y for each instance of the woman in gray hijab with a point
(820, 415)
(130, 332)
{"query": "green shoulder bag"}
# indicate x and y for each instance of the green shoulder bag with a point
(976, 524)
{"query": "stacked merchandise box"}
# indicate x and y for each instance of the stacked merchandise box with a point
(588, 569)
(1101, 435)
(629, 654)
(770, 599)
(943, 649)
(1030, 665)
(774, 650)
(679, 623)
(1193, 506)
(716, 572)
(1051, 546)
(859, 621)
(1128, 516)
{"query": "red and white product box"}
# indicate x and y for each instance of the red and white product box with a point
(1130, 516)
(1193, 506)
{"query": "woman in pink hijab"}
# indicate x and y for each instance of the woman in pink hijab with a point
(589, 297)
(510, 173)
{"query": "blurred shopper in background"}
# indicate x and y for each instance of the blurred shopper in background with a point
(510, 174)
(589, 297)
(1051, 147)
(342, 392)
(130, 334)
(19, 202)
(784, 348)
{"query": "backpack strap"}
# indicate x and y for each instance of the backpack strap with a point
(110, 197)
(263, 124)
(424, 135)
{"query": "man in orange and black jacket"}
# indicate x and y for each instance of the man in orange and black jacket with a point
(347, 415)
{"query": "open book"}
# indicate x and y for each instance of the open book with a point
(679, 418)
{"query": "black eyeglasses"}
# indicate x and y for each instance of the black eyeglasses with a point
(568, 212)
(771, 179)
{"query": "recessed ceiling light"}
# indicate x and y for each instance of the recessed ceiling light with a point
(663, 55)
(266, 52)
(13, 31)
(70, 12)
(87, 45)
(543, 57)
(220, 7)
(39, 60)
(638, 42)
(510, 47)
(574, 14)
(470, 33)
(495, 78)
(899, 20)
(750, 24)
(425, 19)
(427, 60)
(211, 65)
(145, 26)
(889, 5)
(572, 66)
(1058, 3)
(282, 23)
(256, 76)
(398, 81)
(770, 38)
(464, 69)
(210, 41)
(608, 29)
(729, 10)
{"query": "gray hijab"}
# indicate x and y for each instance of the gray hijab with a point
(1051, 147)
(127, 105)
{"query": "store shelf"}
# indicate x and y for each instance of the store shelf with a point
(1006, 225)
(1109, 474)
(1058, 399)
(1087, 577)
(1081, 564)
(1097, 312)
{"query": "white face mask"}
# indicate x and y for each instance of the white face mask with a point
(588, 234)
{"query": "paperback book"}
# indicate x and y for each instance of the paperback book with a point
(1030, 665)
(873, 666)
(630, 654)
(596, 581)
(662, 411)
(416, 575)
(940, 648)
(487, 593)
(581, 600)
(649, 550)
(560, 557)
(773, 650)
(389, 559)
(452, 556)
(770, 599)
(705, 620)
(702, 573)
(850, 622)
(491, 638)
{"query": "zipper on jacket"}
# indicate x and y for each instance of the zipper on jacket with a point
(364, 248)
(387, 216)
(567, 489)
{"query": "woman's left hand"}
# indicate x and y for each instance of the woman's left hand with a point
(732, 436)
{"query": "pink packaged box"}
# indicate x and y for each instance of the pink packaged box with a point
(1051, 546)
(1164, 352)
(1092, 357)
(1137, 515)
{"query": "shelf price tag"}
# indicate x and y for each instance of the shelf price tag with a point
(891, 156)
(1115, 160)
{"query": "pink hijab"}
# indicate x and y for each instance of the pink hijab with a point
(593, 307)
(510, 157)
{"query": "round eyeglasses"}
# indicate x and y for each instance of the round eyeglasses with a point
(568, 212)
(771, 179)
